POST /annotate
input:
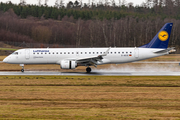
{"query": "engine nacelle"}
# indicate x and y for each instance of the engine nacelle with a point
(68, 64)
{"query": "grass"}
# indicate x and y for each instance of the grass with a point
(89, 97)
(12, 49)
(2, 57)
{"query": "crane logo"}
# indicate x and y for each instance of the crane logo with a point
(163, 35)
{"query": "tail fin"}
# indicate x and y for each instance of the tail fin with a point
(161, 39)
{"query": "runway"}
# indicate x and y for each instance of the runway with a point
(93, 73)
(152, 68)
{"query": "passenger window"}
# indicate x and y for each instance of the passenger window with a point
(57, 53)
(89, 52)
(49, 53)
(72, 52)
(33, 53)
(114, 52)
(93, 52)
(64, 52)
(60, 52)
(37, 53)
(97, 53)
(119, 52)
(45, 53)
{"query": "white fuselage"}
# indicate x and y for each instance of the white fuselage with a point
(56, 55)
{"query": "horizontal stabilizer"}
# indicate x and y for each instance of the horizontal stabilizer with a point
(170, 50)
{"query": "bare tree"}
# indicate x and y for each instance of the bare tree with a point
(39, 2)
(119, 3)
(177, 3)
(115, 26)
(46, 2)
(124, 2)
(56, 4)
(22, 2)
(113, 3)
(91, 29)
(104, 28)
(61, 3)
(89, 3)
(106, 2)
(100, 2)
(130, 4)
(78, 32)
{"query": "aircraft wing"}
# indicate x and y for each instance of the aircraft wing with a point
(92, 60)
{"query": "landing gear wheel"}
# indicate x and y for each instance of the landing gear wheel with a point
(22, 70)
(22, 65)
(88, 69)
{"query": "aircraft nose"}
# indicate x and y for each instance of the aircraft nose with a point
(6, 60)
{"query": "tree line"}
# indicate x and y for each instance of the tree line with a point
(104, 9)
(130, 30)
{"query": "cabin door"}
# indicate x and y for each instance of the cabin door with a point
(27, 53)
(136, 52)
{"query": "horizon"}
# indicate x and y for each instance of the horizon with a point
(52, 2)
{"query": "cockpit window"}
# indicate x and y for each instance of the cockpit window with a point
(15, 53)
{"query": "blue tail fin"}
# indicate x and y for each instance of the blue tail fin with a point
(161, 39)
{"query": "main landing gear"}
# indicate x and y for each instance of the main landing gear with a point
(22, 65)
(88, 69)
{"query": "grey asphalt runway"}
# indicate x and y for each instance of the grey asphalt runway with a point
(172, 68)
(93, 73)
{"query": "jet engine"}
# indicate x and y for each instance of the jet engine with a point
(68, 64)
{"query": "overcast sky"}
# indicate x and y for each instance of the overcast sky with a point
(52, 2)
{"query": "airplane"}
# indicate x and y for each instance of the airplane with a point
(70, 58)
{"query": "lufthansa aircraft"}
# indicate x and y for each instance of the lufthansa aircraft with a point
(70, 58)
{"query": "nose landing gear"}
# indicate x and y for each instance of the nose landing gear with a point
(88, 69)
(22, 65)
(22, 70)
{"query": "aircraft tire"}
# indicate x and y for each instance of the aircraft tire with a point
(88, 69)
(22, 70)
